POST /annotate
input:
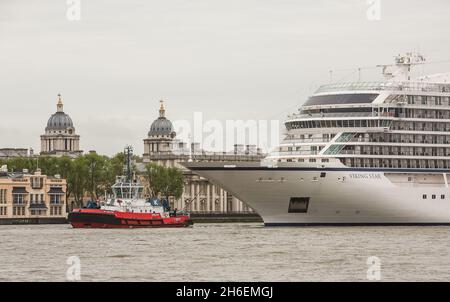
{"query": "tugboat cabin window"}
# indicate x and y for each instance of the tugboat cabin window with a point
(125, 191)
(298, 205)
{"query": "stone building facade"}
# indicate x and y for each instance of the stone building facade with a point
(7, 153)
(26, 197)
(199, 194)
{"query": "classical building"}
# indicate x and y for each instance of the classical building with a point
(60, 138)
(31, 198)
(199, 195)
(7, 153)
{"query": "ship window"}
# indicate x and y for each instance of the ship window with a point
(433, 196)
(442, 196)
(323, 174)
(298, 205)
(342, 99)
(424, 196)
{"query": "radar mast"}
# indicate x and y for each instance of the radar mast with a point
(401, 70)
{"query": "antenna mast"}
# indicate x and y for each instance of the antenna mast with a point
(128, 159)
(401, 70)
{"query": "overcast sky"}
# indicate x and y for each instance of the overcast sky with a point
(230, 59)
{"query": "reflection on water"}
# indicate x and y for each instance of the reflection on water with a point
(225, 252)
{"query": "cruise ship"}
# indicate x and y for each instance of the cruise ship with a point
(359, 153)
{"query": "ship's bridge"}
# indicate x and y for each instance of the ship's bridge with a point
(366, 99)
(127, 190)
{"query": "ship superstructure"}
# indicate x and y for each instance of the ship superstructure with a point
(356, 153)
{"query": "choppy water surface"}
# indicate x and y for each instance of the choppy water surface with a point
(225, 252)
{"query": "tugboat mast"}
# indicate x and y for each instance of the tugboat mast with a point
(128, 159)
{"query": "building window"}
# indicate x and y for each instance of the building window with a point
(55, 211)
(37, 212)
(424, 196)
(36, 182)
(2, 196)
(433, 196)
(55, 199)
(442, 196)
(19, 211)
(18, 198)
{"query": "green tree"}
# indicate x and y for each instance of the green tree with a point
(114, 167)
(19, 163)
(176, 181)
(91, 174)
(65, 170)
(167, 182)
(97, 174)
(78, 179)
(48, 165)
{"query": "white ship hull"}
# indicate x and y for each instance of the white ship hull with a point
(337, 196)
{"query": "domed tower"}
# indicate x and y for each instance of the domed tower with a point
(162, 128)
(60, 138)
(159, 141)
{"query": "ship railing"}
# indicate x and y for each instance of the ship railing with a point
(305, 140)
(125, 206)
(400, 86)
(300, 152)
(332, 114)
(243, 212)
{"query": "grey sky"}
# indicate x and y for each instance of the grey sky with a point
(230, 59)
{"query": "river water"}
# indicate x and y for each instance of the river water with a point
(225, 252)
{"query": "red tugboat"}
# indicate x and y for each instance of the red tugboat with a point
(127, 209)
